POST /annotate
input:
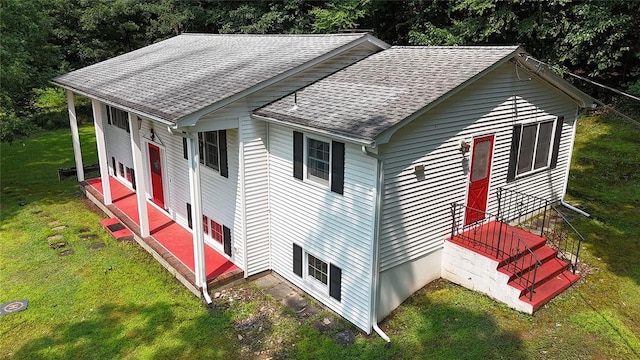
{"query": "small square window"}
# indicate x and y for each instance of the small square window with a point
(317, 269)
(205, 224)
(318, 165)
(216, 231)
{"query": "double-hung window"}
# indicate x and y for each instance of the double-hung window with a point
(323, 160)
(318, 160)
(211, 150)
(534, 147)
(212, 146)
(118, 118)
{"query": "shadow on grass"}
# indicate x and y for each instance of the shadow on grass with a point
(421, 328)
(29, 169)
(115, 331)
(605, 180)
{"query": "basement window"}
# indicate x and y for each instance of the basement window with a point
(317, 269)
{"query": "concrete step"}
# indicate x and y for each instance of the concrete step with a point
(116, 229)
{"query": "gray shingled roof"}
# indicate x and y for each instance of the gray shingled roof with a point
(186, 73)
(371, 96)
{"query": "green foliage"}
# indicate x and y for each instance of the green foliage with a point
(28, 59)
(339, 15)
(13, 128)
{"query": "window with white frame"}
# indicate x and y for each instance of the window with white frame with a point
(118, 118)
(317, 269)
(211, 150)
(535, 147)
(212, 146)
(318, 160)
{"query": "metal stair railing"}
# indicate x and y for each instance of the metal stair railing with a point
(500, 240)
(539, 215)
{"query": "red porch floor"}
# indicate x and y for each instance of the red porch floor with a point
(176, 239)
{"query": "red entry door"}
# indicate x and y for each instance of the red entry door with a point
(479, 178)
(156, 175)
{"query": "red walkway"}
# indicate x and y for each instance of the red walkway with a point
(171, 235)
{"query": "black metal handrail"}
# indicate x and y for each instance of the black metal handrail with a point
(496, 237)
(537, 214)
(568, 250)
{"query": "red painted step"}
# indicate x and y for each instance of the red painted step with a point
(546, 271)
(115, 228)
(542, 254)
(549, 289)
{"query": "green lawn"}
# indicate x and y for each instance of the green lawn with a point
(117, 302)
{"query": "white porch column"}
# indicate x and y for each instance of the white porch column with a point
(73, 121)
(98, 123)
(193, 153)
(141, 191)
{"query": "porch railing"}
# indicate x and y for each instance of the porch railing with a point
(493, 235)
(541, 216)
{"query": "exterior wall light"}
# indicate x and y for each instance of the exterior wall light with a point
(464, 147)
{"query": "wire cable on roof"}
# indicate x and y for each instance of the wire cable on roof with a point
(527, 57)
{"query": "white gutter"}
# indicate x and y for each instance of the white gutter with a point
(571, 207)
(180, 133)
(369, 144)
(375, 284)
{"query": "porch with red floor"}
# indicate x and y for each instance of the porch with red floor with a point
(168, 239)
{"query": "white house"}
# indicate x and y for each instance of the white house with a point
(332, 160)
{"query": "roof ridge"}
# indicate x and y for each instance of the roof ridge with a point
(454, 46)
(275, 35)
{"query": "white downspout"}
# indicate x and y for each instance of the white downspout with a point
(579, 111)
(571, 207)
(376, 236)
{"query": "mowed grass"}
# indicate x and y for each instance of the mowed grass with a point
(117, 302)
(112, 302)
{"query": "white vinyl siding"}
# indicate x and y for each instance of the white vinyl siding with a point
(338, 229)
(253, 200)
(118, 144)
(417, 206)
(256, 170)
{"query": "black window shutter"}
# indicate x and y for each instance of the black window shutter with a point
(298, 152)
(133, 179)
(108, 114)
(222, 143)
(297, 260)
(513, 155)
(556, 142)
(189, 218)
(335, 282)
(113, 164)
(337, 167)
(226, 236)
(185, 152)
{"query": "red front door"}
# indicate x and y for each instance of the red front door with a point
(156, 175)
(479, 178)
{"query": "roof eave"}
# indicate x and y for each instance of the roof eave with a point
(385, 135)
(191, 119)
(358, 141)
(114, 104)
(582, 99)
